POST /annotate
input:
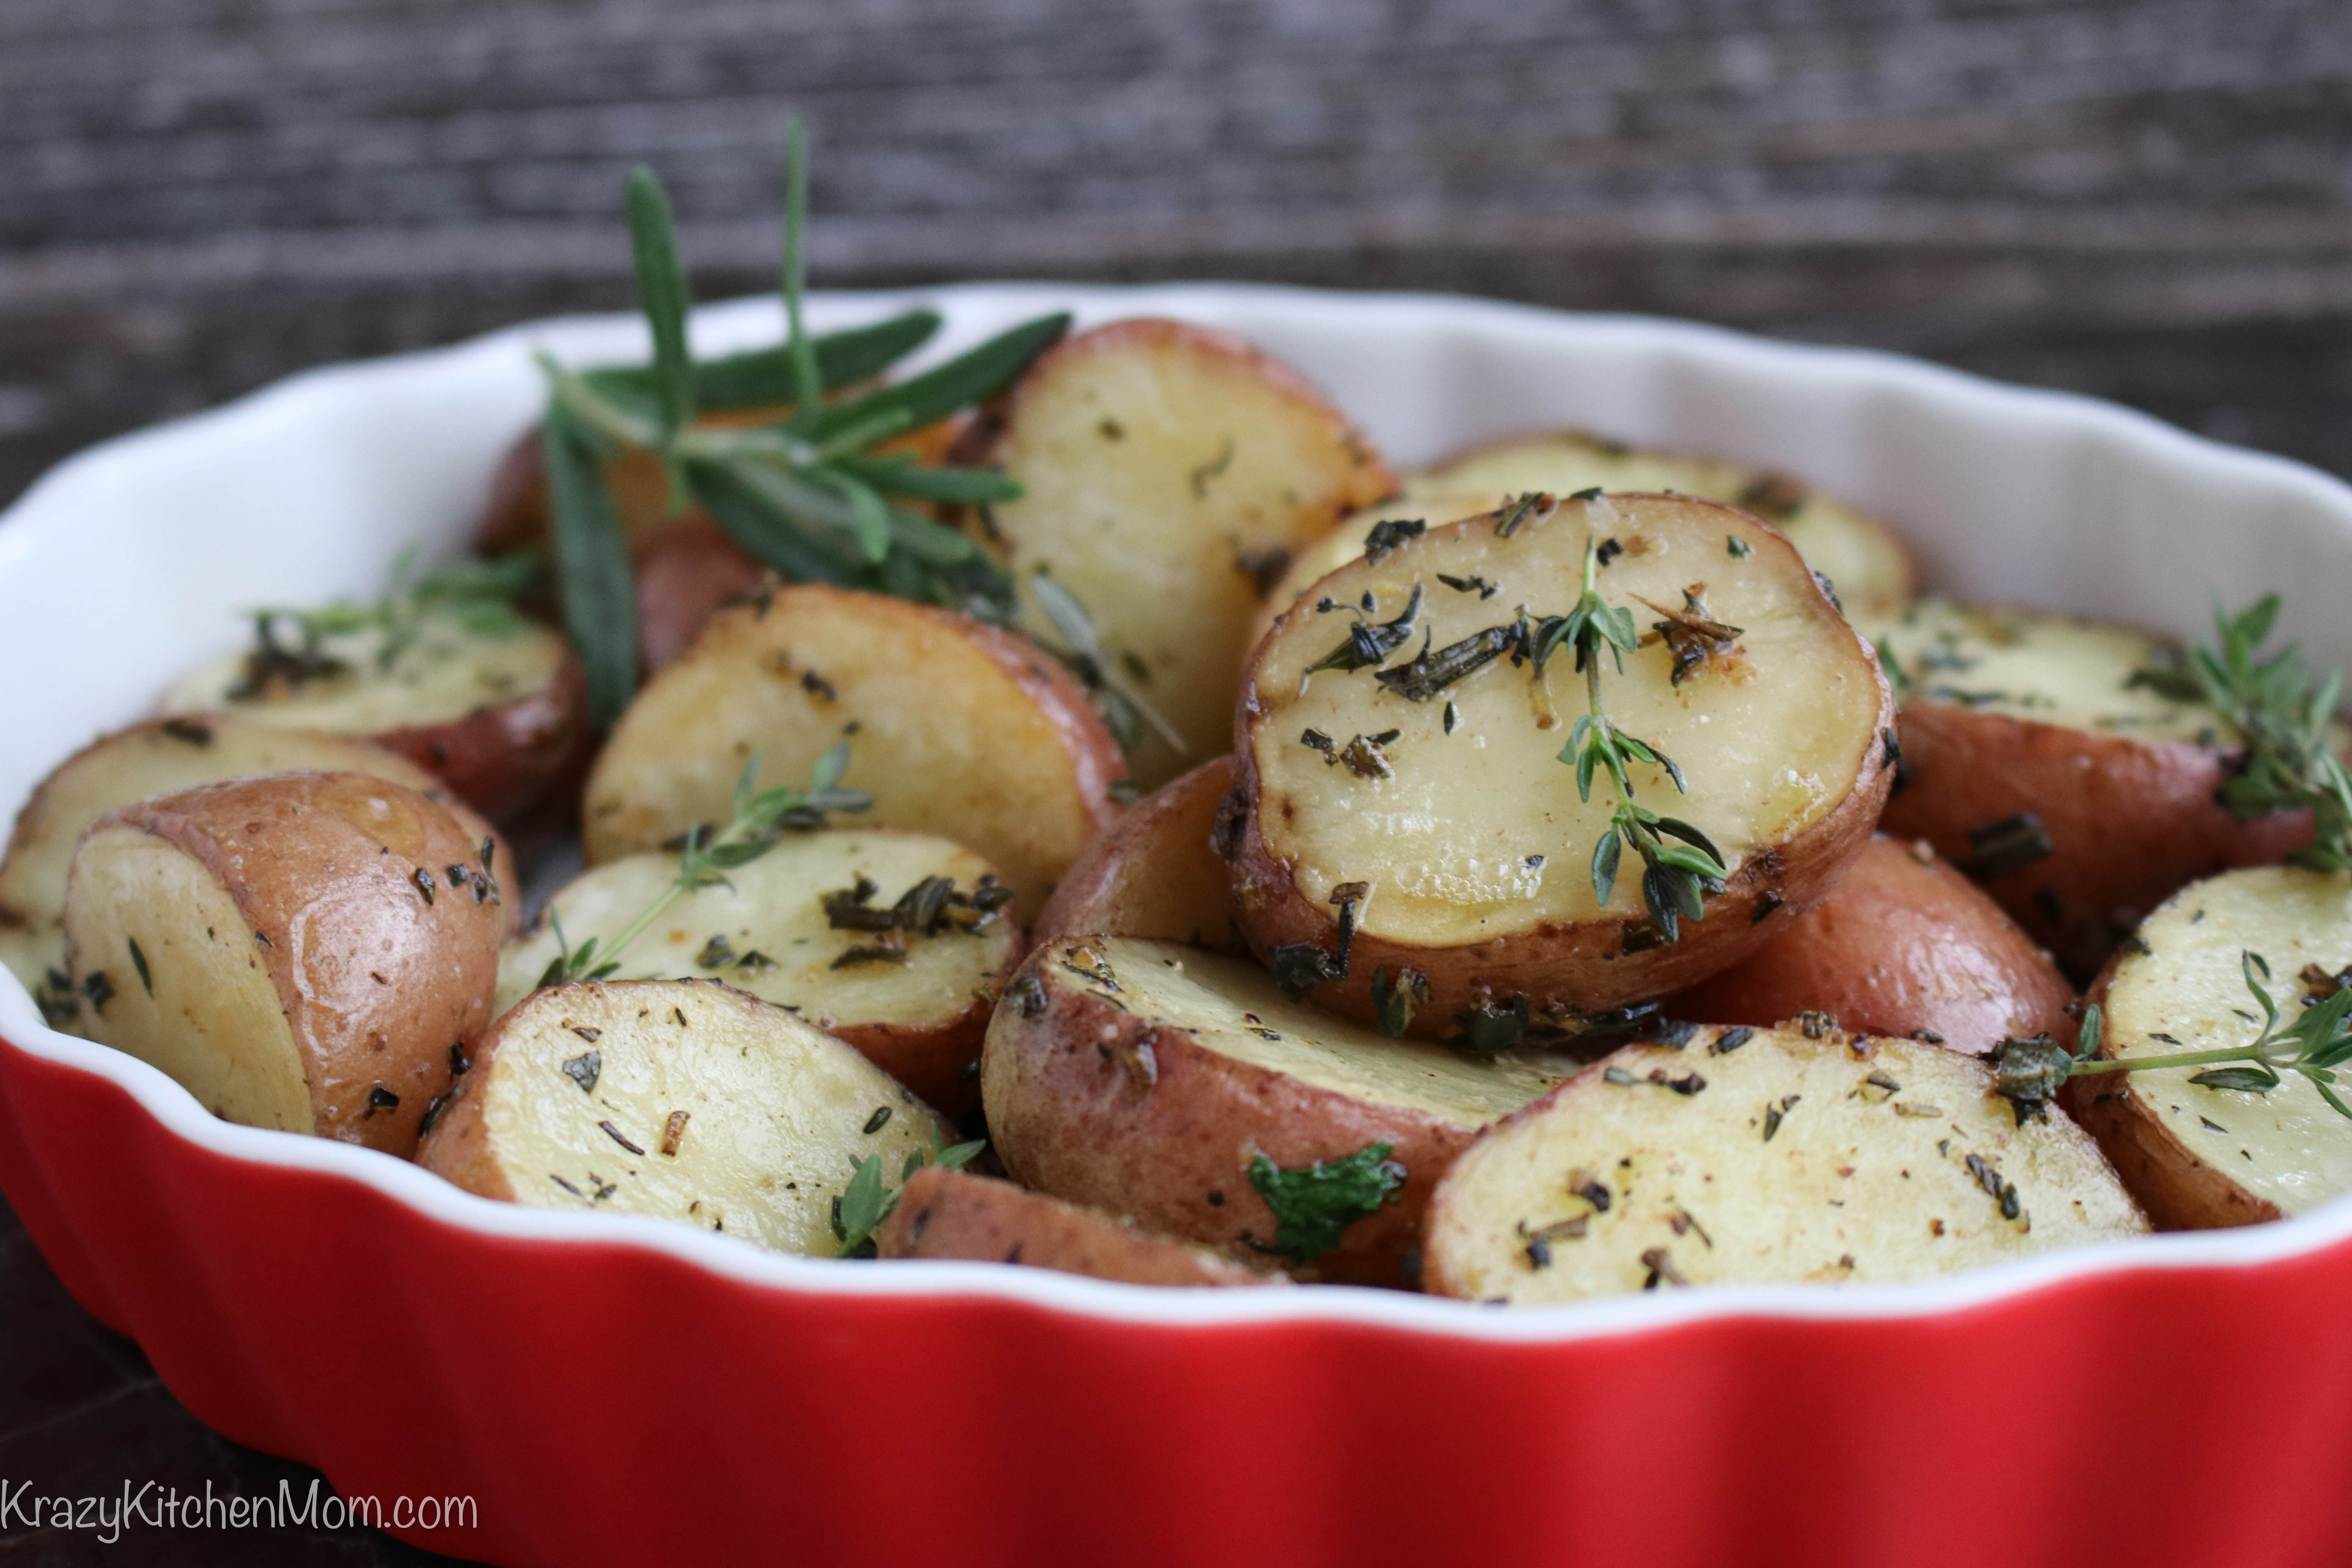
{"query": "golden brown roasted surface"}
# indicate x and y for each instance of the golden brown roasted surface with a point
(1160, 871)
(159, 757)
(1748, 1156)
(1442, 806)
(956, 728)
(307, 951)
(1149, 1079)
(1172, 471)
(2196, 1156)
(1904, 945)
(954, 1214)
(2079, 799)
(849, 927)
(686, 1099)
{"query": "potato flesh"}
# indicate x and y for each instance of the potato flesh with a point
(2049, 669)
(948, 741)
(138, 765)
(207, 1012)
(774, 909)
(1480, 833)
(447, 672)
(775, 1111)
(1161, 476)
(1856, 552)
(1235, 1008)
(1858, 1181)
(2287, 1145)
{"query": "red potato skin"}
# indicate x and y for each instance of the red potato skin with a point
(1157, 873)
(1582, 967)
(2130, 822)
(503, 760)
(315, 868)
(1092, 1105)
(1903, 945)
(953, 1214)
(2177, 1190)
(684, 576)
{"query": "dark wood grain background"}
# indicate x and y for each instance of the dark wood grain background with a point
(2147, 199)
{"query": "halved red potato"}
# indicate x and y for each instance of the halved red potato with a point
(2079, 800)
(1425, 790)
(497, 715)
(685, 575)
(1159, 872)
(311, 952)
(682, 1099)
(1903, 945)
(1751, 1156)
(897, 942)
(159, 757)
(956, 728)
(1170, 472)
(1866, 560)
(1178, 1087)
(2197, 1156)
(954, 1214)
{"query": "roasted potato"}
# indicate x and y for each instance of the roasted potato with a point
(2080, 800)
(1424, 789)
(497, 715)
(1744, 1156)
(951, 1213)
(684, 1099)
(1159, 872)
(159, 757)
(957, 728)
(1170, 472)
(312, 951)
(897, 942)
(2194, 1155)
(683, 575)
(1867, 561)
(1903, 945)
(1178, 1086)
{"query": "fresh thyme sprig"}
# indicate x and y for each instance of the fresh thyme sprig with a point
(1080, 650)
(762, 818)
(861, 1207)
(2029, 1073)
(811, 493)
(2284, 715)
(479, 595)
(1675, 875)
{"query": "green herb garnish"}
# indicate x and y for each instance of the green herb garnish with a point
(1314, 1204)
(2284, 715)
(809, 494)
(1676, 875)
(2029, 1073)
(762, 818)
(862, 1206)
(478, 596)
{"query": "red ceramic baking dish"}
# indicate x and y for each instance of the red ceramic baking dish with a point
(615, 1391)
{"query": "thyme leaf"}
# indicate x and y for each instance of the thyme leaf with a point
(760, 819)
(2029, 1073)
(1314, 1204)
(868, 1199)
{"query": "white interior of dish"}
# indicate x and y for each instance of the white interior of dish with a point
(126, 564)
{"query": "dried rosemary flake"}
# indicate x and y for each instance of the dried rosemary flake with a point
(2002, 849)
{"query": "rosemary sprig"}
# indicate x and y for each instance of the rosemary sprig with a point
(479, 595)
(2029, 1073)
(2284, 715)
(860, 1208)
(1675, 875)
(808, 494)
(1080, 650)
(762, 818)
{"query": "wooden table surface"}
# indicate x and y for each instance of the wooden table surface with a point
(2151, 200)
